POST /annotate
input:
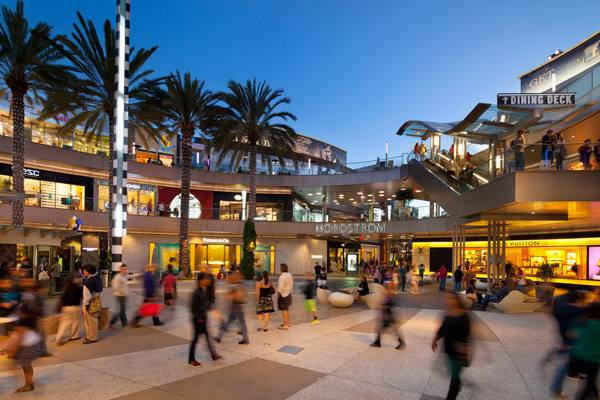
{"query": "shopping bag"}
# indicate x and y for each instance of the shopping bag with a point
(150, 310)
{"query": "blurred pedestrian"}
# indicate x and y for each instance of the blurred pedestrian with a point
(585, 352)
(169, 282)
(69, 307)
(149, 308)
(120, 285)
(92, 305)
(455, 330)
(421, 274)
(201, 303)
(55, 270)
(32, 304)
(285, 284)
(264, 291)
(10, 294)
(24, 345)
(585, 154)
(565, 309)
(387, 319)
(310, 304)
(237, 297)
(413, 280)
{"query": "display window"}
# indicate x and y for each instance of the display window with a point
(140, 199)
(50, 194)
(232, 211)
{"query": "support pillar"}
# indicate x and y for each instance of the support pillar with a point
(120, 141)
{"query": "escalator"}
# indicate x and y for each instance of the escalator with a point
(440, 183)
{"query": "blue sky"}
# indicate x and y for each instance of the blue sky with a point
(355, 70)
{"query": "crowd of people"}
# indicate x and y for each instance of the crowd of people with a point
(578, 321)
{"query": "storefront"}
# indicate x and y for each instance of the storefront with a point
(169, 203)
(52, 189)
(141, 199)
(348, 256)
(229, 206)
(570, 259)
(209, 254)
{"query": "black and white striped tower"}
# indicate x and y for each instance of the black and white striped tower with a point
(119, 167)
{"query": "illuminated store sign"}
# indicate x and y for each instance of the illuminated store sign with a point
(351, 228)
(215, 240)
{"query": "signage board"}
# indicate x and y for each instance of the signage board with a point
(563, 67)
(536, 99)
(353, 228)
(215, 240)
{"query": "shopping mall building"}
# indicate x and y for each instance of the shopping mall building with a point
(466, 195)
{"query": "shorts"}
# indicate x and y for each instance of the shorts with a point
(284, 303)
(310, 305)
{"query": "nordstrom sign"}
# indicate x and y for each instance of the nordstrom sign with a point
(357, 228)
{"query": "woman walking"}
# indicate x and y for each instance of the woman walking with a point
(264, 302)
(455, 330)
(70, 309)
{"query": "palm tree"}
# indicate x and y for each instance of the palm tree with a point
(27, 67)
(89, 100)
(187, 107)
(249, 120)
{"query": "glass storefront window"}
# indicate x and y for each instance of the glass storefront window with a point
(140, 199)
(32, 187)
(232, 211)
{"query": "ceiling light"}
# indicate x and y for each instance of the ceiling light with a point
(533, 212)
(418, 190)
(389, 199)
(351, 199)
(310, 194)
(318, 193)
(381, 195)
(341, 196)
(382, 191)
(359, 193)
(370, 195)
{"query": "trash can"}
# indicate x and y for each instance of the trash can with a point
(104, 276)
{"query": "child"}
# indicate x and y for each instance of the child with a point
(24, 345)
(310, 305)
(169, 282)
(322, 281)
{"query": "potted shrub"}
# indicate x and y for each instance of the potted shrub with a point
(545, 291)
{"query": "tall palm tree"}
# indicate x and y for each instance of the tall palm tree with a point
(89, 100)
(188, 108)
(251, 118)
(27, 67)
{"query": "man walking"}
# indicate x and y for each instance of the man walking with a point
(55, 269)
(285, 285)
(92, 288)
(199, 308)
(120, 285)
(458, 278)
(237, 297)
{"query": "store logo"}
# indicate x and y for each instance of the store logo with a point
(351, 228)
(215, 240)
(31, 172)
(523, 243)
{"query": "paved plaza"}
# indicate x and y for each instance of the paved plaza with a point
(331, 360)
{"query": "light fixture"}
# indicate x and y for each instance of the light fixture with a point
(381, 195)
(382, 191)
(370, 195)
(341, 196)
(318, 193)
(533, 212)
(351, 199)
(237, 197)
(310, 194)
(359, 193)
(389, 199)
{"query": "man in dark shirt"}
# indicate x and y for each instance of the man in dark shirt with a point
(200, 305)
(495, 298)
(318, 269)
(546, 153)
(458, 278)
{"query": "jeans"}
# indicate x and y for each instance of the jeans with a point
(403, 282)
(559, 161)
(442, 283)
(122, 303)
(519, 161)
(457, 286)
(200, 329)
(562, 370)
(236, 314)
(455, 367)
(490, 299)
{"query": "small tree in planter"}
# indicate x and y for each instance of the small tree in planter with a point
(249, 246)
(545, 291)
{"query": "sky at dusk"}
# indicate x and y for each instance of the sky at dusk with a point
(355, 70)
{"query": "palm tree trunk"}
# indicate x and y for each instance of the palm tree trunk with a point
(18, 158)
(252, 191)
(186, 166)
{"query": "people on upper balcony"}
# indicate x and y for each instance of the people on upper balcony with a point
(585, 153)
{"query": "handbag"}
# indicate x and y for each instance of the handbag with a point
(271, 290)
(95, 305)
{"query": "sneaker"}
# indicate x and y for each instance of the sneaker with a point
(216, 339)
(217, 357)
(87, 341)
(376, 344)
(314, 321)
(194, 363)
(244, 342)
(400, 346)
